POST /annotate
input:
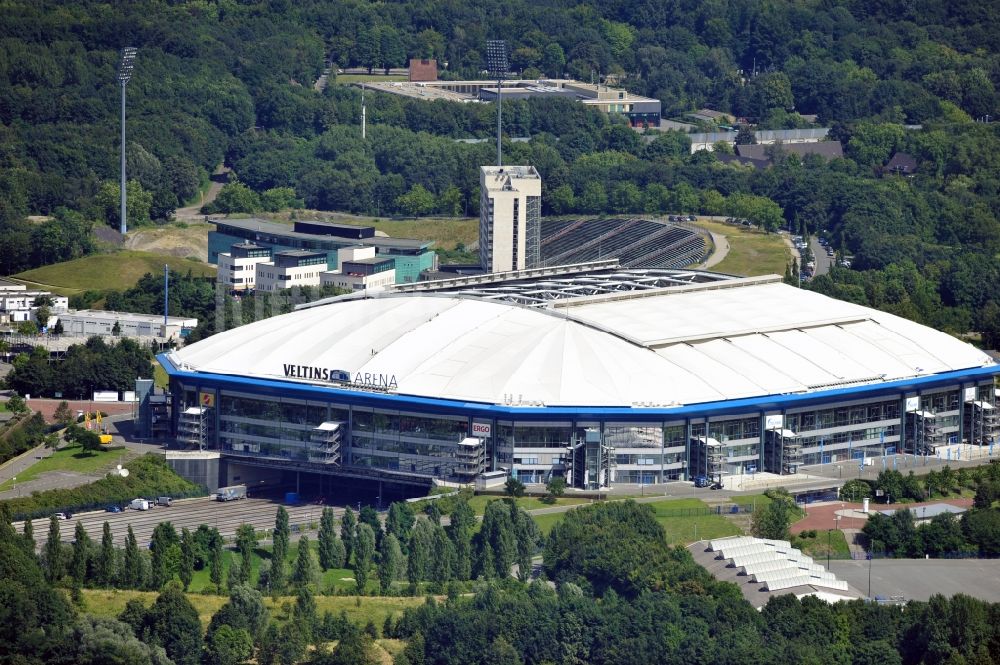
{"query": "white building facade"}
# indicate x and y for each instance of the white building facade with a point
(362, 274)
(298, 267)
(238, 266)
(510, 214)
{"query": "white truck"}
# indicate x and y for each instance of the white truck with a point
(231, 493)
(139, 504)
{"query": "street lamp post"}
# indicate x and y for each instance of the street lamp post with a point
(125, 67)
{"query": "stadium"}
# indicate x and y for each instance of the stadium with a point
(599, 373)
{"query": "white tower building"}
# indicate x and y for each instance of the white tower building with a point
(510, 216)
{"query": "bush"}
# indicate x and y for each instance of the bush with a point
(22, 435)
(149, 476)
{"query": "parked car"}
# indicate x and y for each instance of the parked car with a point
(113, 509)
(164, 501)
(701, 481)
(64, 516)
(717, 485)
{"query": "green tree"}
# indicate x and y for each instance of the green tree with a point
(53, 560)
(450, 202)
(331, 550)
(62, 415)
(416, 202)
(277, 199)
(305, 572)
(496, 542)
(279, 550)
(236, 197)
(363, 555)
(186, 568)
(772, 521)
(514, 487)
(555, 487)
(355, 648)
(28, 538)
(106, 564)
(442, 567)
(108, 203)
(172, 622)
(81, 555)
(228, 646)
(215, 558)
(244, 610)
(593, 199)
(400, 521)
(304, 614)
(246, 541)
(421, 547)
(390, 562)
(369, 516)
(460, 530)
(348, 525)
(745, 136)
(165, 555)
(133, 573)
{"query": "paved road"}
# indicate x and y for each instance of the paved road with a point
(68, 479)
(823, 262)
(190, 513)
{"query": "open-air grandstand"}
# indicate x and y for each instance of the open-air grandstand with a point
(636, 242)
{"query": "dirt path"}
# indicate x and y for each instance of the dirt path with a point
(219, 178)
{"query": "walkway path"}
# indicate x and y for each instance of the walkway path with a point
(219, 178)
(721, 250)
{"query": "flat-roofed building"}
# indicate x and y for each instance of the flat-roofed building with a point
(639, 111)
(87, 322)
(361, 274)
(412, 256)
(238, 266)
(293, 267)
(18, 304)
(510, 215)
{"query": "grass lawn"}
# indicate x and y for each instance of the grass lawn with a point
(684, 529)
(447, 232)
(118, 270)
(758, 500)
(160, 377)
(478, 503)
(110, 603)
(817, 547)
(751, 252)
(72, 458)
(680, 529)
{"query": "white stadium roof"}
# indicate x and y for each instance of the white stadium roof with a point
(741, 338)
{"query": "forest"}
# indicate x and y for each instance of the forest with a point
(232, 81)
(619, 594)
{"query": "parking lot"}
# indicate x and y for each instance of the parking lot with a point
(190, 513)
(919, 579)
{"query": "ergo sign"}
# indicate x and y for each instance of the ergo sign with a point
(481, 429)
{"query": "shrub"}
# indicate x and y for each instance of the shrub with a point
(149, 476)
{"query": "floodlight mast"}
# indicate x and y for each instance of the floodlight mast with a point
(496, 62)
(125, 67)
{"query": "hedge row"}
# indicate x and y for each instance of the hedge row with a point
(149, 476)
